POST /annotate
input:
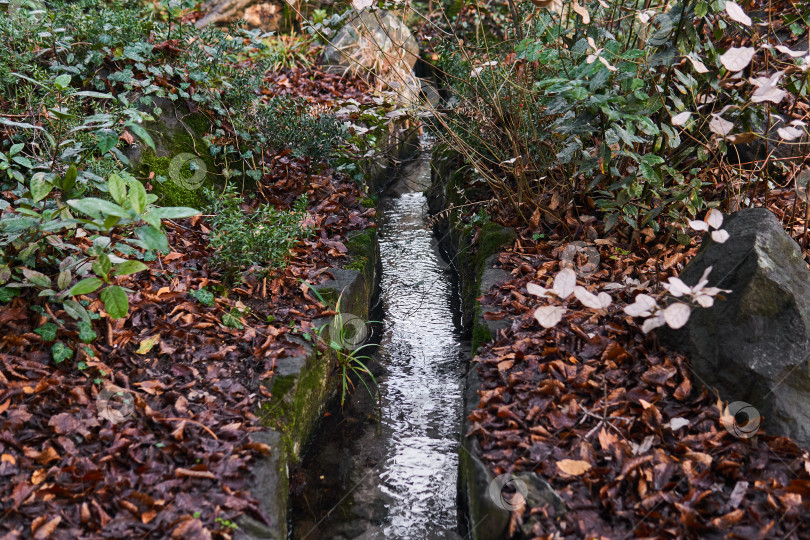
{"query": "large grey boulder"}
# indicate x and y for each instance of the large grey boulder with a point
(754, 346)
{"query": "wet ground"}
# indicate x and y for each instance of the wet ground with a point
(387, 466)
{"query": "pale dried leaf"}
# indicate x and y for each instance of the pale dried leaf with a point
(699, 66)
(652, 323)
(360, 5)
(564, 282)
(792, 53)
(642, 307)
(768, 93)
(737, 58)
(736, 13)
(714, 218)
(537, 290)
(720, 236)
(676, 287)
(699, 225)
(591, 300)
(677, 423)
(676, 315)
(720, 126)
(607, 64)
(582, 12)
(704, 300)
(681, 118)
(573, 467)
(789, 133)
(549, 316)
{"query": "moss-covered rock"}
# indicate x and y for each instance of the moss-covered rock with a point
(179, 137)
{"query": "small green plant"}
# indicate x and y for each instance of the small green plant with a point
(261, 238)
(294, 124)
(227, 523)
(203, 296)
(349, 360)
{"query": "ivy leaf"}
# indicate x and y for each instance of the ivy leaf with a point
(86, 332)
(61, 352)
(232, 321)
(106, 139)
(47, 331)
(115, 301)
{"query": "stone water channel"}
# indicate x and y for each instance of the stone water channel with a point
(387, 467)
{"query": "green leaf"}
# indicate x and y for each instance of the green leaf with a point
(232, 321)
(98, 208)
(137, 196)
(47, 331)
(115, 301)
(139, 130)
(62, 81)
(40, 187)
(105, 140)
(70, 178)
(64, 279)
(86, 286)
(76, 310)
(118, 188)
(15, 149)
(130, 267)
(102, 266)
(61, 352)
(86, 333)
(153, 238)
(37, 278)
(174, 212)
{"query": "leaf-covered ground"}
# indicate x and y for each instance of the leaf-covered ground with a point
(174, 461)
(620, 427)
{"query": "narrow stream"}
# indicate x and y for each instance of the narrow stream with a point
(391, 471)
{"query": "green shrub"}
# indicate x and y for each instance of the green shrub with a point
(631, 106)
(261, 238)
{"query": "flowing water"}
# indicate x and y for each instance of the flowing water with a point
(387, 467)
